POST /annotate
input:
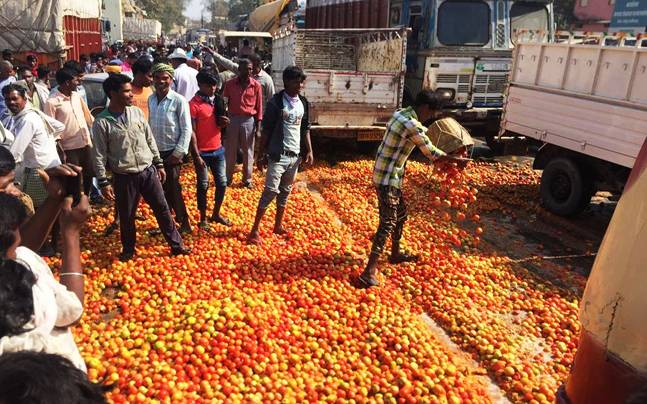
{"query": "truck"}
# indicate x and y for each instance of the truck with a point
(585, 104)
(139, 28)
(53, 30)
(355, 76)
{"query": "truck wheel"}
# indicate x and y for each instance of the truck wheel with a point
(564, 189)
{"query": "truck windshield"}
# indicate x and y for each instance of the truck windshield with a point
(528, 16)
(464, 23)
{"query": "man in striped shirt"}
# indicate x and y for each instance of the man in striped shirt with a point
(404, 132)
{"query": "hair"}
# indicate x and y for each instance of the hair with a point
(42, 71)
(7, 161)
(14, 87)
(74, 66)
(5, 64)
(7, 53)
(206, 76)
(16, 297)
(254, 59)
(114, 83)
(84, 58)
(132, 55)
(293, 73)
(142, 65)
(32, 57)
(22, 69)
(64, 75)
(428, 97)
(12, 216)
(244, 61)
(38, 377)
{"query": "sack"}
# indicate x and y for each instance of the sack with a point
(449, 135)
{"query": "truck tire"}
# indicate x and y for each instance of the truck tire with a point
(565, 189)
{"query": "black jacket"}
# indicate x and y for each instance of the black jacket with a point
(273, 126)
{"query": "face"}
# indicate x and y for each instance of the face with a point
(7, 184)
(244, 71)
(69, 85)
(28, 76)
(424, 113)
(32, 62)
(294, 86)
(256, 68)
(145, 78)
(124, 96)
(6, 71)
(15, 102)
(207, 89)
(162, 81)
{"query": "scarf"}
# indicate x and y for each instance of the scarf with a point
(52, 126)
(163, 68)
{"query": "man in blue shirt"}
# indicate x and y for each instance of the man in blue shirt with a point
(170, 120)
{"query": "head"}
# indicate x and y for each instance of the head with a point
(15, 97)
(16, 297)
(131, 58)
(207, 82)
(117, 87)
(244, 69)
(8, 173)
(7, 55)
(12, 215)
(142, 76)
(256, 63)
(176, 62)
(293, 80)
(84, 60)
(67, 80)
(32, 61)
(76, 67)
(43, 73)
(6, 69)
(38, 377)
(24, 73)
(428, 104)
(245, 42)
(162, 77)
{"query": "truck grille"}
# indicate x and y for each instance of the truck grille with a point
(461, 82)
(489, 88)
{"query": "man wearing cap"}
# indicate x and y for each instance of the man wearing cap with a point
(185, 81)
(170, 120)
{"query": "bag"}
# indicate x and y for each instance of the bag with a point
(449, 135)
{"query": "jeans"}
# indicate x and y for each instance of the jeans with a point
(278, 180)
(240, 134)
(393, 215)
(217, 166)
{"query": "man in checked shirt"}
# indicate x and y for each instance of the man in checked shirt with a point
(404, 132)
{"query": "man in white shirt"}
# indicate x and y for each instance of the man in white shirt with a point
(185, 82)
(7, 76)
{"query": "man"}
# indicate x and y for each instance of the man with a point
(34, 147)
(123, 141)
(195, 61)
(127, 66)
(141, 85)
(245, 98)
(246, 50)
(67, 107)
(185, 82)
(170, 121)
(84, 61)
(404, 133)
(42, 72)
(286, 139)
(36, 95)
(76, 67)
(208, 117)
(32, 63)
(7, 55)
(7, 76)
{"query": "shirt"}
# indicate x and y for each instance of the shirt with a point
(140, 98)
(403, 133)
(4, 111)
(265, 79)
(292, 114)
(170, 121)
(246, 101)
(185, 82)
(123, 146)
(55, 309)
(203, 115)
(33, 147)
(74, 114)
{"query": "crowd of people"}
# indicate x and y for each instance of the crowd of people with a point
(56, 157)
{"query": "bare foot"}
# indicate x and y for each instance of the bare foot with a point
(220, 220)
(254, 239)
(280, 231)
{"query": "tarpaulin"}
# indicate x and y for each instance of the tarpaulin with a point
(266, 17)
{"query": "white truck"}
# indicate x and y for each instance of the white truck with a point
(355, 76)
(587, 105)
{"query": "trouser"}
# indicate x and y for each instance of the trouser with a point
(218, 168)
(82, 157)
(33, 185)
(173, 189)
(279, 179)
(128, 190)
(240, 134)
(393, 215)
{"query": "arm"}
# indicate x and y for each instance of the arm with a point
(227, 63)
(22, 141)
(417, 133)
(157, 160)
(184, 119)
(259, 110)
(305, 126)
(100, 152)
(49, 108)
(86, 113)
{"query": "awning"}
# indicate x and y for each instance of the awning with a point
(266, 17)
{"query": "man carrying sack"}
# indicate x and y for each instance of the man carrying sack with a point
(405, 132)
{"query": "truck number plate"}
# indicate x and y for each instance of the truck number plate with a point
(369, 136)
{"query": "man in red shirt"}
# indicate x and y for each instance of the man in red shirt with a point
(207, 117)
(245, 100)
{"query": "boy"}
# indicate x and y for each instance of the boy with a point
(285, 140)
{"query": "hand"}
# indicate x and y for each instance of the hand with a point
(199, 163)
(257, 133)
(108, 192)
(73, 217)
(309, 158)
(173, 160)
(223, 121)
(261, 163)
(161, 174)
(53, 179)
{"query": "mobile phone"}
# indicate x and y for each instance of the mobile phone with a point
(73, 188)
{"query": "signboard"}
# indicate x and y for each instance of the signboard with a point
(629, 16)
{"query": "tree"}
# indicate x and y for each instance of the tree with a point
(564, 17)
(239, 7)
(168, 12)
(219, 10)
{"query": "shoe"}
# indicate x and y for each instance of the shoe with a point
(126, 256)
(403, 257)
(111, 228)
(367, 282)
(154, 232)
(203, 225)
(180, 251)
(185, 228)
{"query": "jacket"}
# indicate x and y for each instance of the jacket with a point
(273, 126)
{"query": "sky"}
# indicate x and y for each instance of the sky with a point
(193, 9)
